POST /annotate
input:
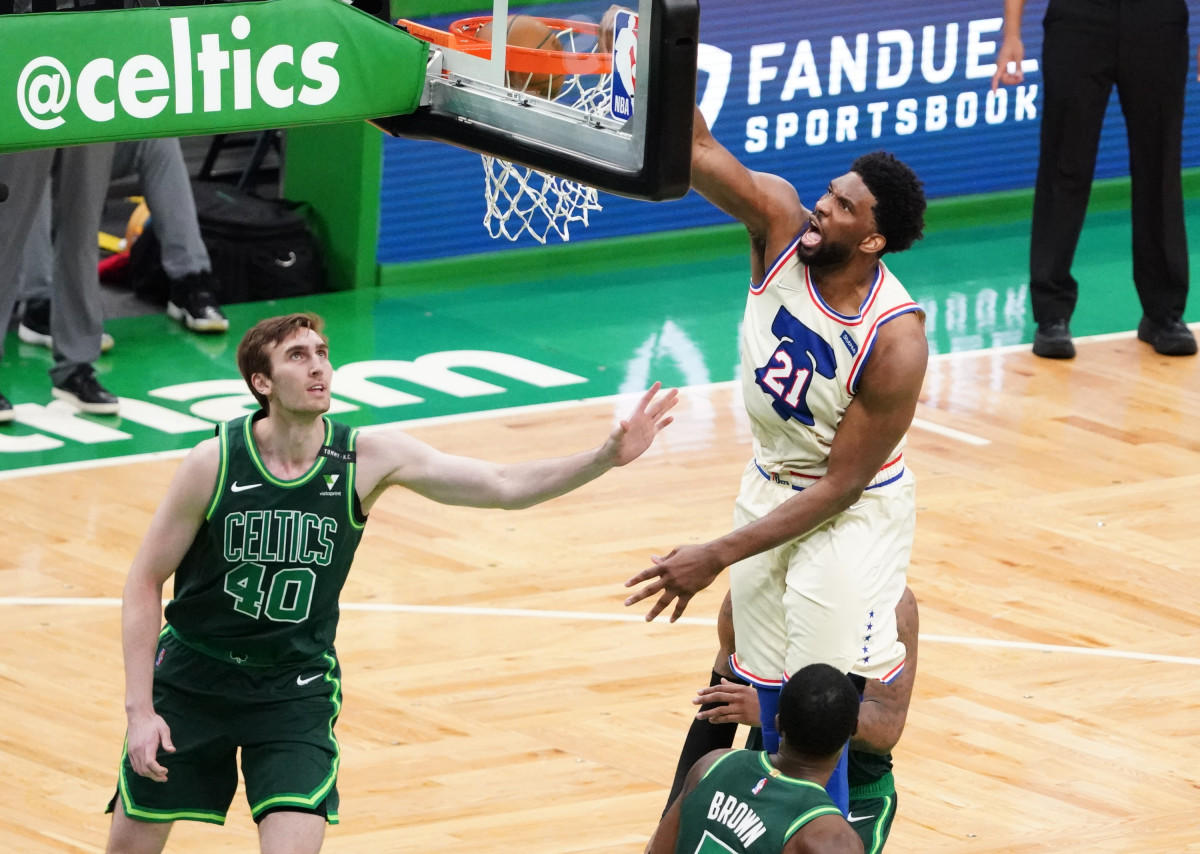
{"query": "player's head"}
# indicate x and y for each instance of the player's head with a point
(899, 199)
(875, 208)
(273, 344)
(818, 711)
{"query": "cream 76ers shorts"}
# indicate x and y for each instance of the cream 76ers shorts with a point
(828, 596)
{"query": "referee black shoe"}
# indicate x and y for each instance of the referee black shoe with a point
(82, 390)
(1172, 338)
(1053, 340)
(6, 410)
(34, 327)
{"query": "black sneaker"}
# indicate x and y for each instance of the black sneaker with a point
(34, 327)
(194, 305)
(82, 390)
(6, 410)
(1172, 338)
(1053, 340)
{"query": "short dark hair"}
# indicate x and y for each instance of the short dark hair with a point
(899, 198)
(252, 356)
(818, 710)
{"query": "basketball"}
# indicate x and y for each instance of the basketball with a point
(524, 31)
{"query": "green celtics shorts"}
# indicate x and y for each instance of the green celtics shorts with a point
(872, 809)
(280, 717)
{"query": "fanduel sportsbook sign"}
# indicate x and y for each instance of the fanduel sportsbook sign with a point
(73, 77)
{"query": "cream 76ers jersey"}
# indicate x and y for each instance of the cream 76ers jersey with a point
(801, 363)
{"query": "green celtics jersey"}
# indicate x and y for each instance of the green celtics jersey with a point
(743, 804)
(261, 581)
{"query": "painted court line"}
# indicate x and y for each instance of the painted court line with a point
(950, 433)
(636, 617)
(433, 421)
(918, 423)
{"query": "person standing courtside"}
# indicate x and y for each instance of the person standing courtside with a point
(1089, 46)
(78, 322)
(82, 184)
(739, 801)
(833, 356)
(259, 528)
(192, 288)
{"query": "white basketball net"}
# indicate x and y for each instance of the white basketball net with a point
(521, 200)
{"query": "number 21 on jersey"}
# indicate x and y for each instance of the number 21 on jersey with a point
(788, 375)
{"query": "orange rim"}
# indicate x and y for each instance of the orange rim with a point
(463, 37)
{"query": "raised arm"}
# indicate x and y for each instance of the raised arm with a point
(394, 458)
(171, 532)
(766, 204)
(874, 423)
(1012, 49)
(884, 707)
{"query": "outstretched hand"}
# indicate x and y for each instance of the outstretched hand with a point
(636, 433)
(678, 577)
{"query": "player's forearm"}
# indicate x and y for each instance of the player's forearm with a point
(525, 484)
(141, 622)
(725, 183)
(879, 728)
(794, 518)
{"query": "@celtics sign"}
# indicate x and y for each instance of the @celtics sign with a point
(144, 85)
(162, 71)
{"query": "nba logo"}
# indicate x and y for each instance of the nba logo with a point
(624, 63)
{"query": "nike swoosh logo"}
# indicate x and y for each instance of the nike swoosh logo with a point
(300, 681)
(852, 818)
(235, 488)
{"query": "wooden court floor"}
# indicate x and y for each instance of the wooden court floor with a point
(499, 697)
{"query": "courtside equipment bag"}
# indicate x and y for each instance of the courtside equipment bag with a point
(260, 248)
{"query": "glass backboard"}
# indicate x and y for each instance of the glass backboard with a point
(579, 89)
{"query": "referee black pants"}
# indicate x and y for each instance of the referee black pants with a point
(1141, 47)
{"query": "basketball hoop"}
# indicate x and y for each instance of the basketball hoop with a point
(521, 200)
